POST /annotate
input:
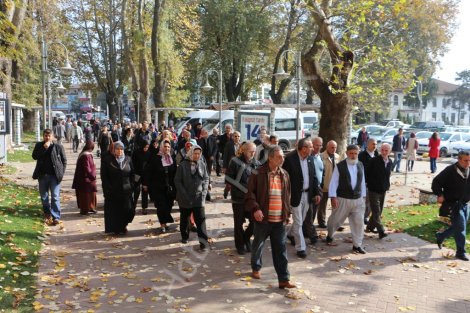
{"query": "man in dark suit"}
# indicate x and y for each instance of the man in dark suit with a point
(365, 156)
(224, 138)
(209, 148)
(304, 189)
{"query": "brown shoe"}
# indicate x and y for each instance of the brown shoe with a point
(286, 284)
(256, 275)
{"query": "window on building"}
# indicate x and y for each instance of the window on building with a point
(434, 116)
(434, 102)
(462, 115)
(444, 117)
(443, 102)
(452, 117)
(395, 100)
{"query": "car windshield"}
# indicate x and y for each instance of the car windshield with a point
(378, 132)
(445, 136)
(418, 125)
(210, 124)
(422, 135)
(183, 121)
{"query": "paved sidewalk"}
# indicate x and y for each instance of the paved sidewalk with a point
(84, 270)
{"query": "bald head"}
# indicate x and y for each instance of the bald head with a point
(249, 150)
(317, 145)
(331, 147)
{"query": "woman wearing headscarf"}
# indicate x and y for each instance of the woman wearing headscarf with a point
(128, 141)
(84, 180)
(192, 181)
(140, 158)
(158, 179)
(117, 176)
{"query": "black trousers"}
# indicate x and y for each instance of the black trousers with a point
(376, 206)
(242, 236)
(217, 163)
(200, 219)
(75, 144)
(164, 204)
(209, 165)
(145, 196)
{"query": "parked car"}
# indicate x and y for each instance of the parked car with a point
(369, 128)
(457, 145)
(423, 141)
(378, 133)
(388, 137)
(448, 141)
(462, 129)
(434, 126)
(397, 124)
(462, 145)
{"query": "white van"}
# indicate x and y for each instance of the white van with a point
(59, 115)
(193, 117)
(310, 123)
(285, 120)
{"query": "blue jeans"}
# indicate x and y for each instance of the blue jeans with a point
(397, 160)
(277, 234)
(458, 229)
(49, 183)
(433, 165)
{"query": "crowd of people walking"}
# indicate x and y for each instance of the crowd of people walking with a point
(277, 196)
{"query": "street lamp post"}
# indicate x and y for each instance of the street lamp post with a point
(207, 87)
(65, 70)
(419, 92)
(281, 74)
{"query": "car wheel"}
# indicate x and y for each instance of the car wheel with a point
(443, 152)
(284, 145)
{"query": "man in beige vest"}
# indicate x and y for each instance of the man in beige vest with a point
(330, 158)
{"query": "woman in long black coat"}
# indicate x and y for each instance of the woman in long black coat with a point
(159, 177)
(117, 177)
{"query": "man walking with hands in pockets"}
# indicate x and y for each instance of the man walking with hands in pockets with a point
(268, 199)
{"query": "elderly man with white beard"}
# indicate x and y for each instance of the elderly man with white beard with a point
(347, 191)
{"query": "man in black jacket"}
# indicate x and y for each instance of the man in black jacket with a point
(237, 174)
(452, 187)
(378, 171)
(49, 171)
(399, 144)
(300, 166)
(209, 148)
(364, 156)
(224, 138)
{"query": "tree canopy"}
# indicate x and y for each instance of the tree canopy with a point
(354, 52)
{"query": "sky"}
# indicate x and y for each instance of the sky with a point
(458, 57)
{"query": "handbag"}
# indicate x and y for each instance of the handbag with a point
(447, 208)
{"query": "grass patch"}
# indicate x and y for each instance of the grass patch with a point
(7, 170)
(22, 156)
(420, 221)
(21, 229)
(29, 137)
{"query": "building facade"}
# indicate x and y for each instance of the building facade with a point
(442, 107)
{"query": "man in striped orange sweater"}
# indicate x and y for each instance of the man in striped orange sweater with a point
(268, 199)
